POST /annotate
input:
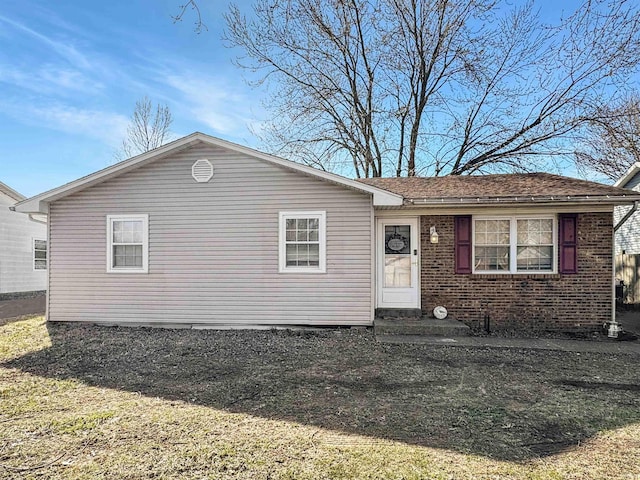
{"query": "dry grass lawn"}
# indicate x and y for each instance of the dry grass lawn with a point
(93, 402)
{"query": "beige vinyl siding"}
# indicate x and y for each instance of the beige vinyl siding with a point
(213, 248)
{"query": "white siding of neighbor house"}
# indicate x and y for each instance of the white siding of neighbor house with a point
(17, 232)
(213, 248)
(628, 236)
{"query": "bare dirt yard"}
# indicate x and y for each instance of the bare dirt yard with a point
(94, 402)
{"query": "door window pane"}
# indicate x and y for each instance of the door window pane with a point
(397, 258)
(397, 271)
(397, 239)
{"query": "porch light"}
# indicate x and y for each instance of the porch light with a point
(433, 235)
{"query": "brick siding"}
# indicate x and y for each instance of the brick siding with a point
(578, 302)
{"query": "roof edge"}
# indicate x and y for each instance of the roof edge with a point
(39, 203)
(628, 175)
(10, 192)
(381, 197)
(524, 199)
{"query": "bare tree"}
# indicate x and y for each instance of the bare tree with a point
(418, 87)
(149, 128)
(327, 90)
(611, 142)
(199, 25)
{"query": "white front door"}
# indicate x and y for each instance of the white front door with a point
(397, 253)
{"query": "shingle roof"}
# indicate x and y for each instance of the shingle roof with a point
(515, 186)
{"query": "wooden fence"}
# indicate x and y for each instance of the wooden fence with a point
(628, 270)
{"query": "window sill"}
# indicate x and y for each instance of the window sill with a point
(515, 276)
(304, 272)
(127, 271)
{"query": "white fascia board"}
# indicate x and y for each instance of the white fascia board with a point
(386, 199)
(10, 192)
(40, 203)
(629, 174)
(525, 200)
(493, 210)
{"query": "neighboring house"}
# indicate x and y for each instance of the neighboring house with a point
(202, 232)
(628, 235)
(23, 249)
(627, 240)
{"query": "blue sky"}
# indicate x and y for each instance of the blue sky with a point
(71, 72)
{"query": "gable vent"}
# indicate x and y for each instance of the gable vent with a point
(202, 170)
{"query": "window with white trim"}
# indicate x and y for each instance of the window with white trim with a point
(302, 242)
(514, 244)
(128, 243)
(39, 254)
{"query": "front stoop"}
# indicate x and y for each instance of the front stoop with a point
(399, 313)
(423, 326)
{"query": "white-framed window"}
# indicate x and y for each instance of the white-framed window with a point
(128, 243)
(302, 242)
(39, 254)
(516, 244)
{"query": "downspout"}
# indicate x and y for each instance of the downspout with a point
(626, 216)
(614, 328)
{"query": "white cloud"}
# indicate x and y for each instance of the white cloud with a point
(106, 127)
(60, 78)
(68, 79)
(63, 49)
(224, 107)
(50, 79)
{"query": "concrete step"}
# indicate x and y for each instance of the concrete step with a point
(422, 326)
(400, 313)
